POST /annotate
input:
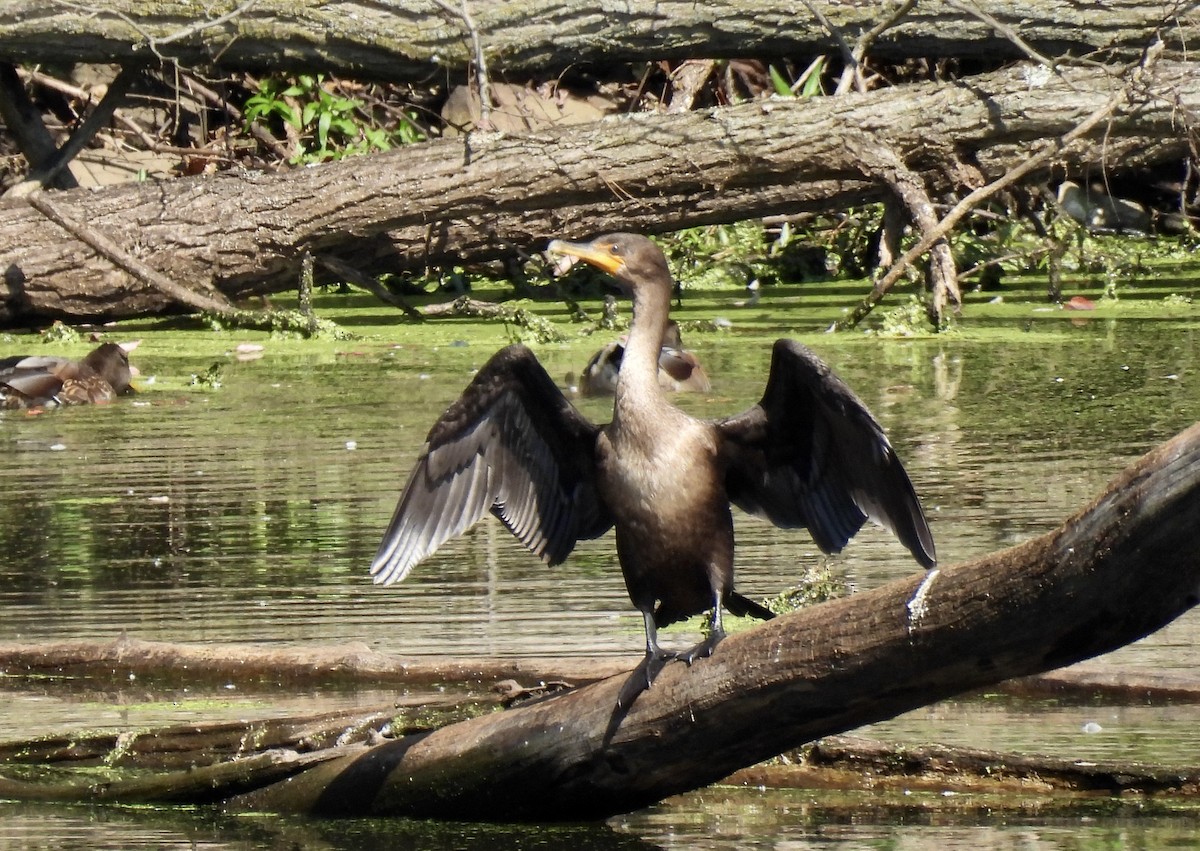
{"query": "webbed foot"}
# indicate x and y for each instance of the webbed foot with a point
(702, 650)
(643, 676)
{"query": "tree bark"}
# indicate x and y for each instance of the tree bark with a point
(415, 39)
(487, 195)
(1121, 568)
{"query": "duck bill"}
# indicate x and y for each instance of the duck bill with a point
(588, 253)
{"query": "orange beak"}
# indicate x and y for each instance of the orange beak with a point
(594, 253)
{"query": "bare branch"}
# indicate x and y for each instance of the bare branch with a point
(107, 248)
(482, 80)
(964, 207)
(83, 134)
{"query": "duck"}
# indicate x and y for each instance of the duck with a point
(679, 371)
(808, 455)
(39, 381)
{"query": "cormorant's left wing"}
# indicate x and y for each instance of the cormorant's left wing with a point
(811, 455)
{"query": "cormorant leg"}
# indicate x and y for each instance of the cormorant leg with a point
(716, 632)
(656, 657)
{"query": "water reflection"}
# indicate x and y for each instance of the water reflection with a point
(242, 515)
(249, 514)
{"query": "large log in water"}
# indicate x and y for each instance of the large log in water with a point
(1119, 569)
(487, 196)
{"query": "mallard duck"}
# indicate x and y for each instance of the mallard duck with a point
(678, 370)
(30, 381)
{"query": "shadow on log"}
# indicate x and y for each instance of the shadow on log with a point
(1121, 568)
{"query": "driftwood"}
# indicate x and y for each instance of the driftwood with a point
(486, 196)
(413, 39)
(1122, 567)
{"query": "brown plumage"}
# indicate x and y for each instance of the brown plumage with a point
(808, 455)
(40, 381)
(678, 370)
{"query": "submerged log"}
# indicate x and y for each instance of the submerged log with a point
(487, 196)
(851, 762)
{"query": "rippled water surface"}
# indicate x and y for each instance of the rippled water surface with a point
(249, 513)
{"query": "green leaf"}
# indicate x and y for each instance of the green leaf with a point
(323, 130)
(810, 81)
(782, 87)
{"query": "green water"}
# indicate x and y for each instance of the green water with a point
(248, 513)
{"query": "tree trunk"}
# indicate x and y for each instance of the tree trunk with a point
(414, 39)
(1121, 568)
(486, 196)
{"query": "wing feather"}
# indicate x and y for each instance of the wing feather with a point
(513, 445)
(811, 455)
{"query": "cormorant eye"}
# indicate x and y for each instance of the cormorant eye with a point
(614, 248)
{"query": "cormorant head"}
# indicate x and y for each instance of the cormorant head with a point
(633, 260)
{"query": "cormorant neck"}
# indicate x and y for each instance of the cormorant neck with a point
(638, 378)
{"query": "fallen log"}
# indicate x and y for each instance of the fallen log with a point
(1121, 568)
(487, 196)
(412, 39)
(851, 762)
(162, 663)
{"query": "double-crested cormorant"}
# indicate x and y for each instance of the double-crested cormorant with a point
(678, 370)
(808, 455)
(40, 381)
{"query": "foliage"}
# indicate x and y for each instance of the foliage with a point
(908, 319)
(816, 586)
(210, 378)
(60, 333)
(278, 322)
(327, 126)
(808, 84)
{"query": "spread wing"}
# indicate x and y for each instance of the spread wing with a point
(810, 454)
(513, 445)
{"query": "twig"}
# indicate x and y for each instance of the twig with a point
(884, 164)
(482, 81)
(256, 130)
(304, 298)
(360, 279)
(543, 330)
(154, 42)
(852, 73)
(43, 79)
(965, 206)
(852, 56)
(1003, 29)
(24, 121)
(110, 250)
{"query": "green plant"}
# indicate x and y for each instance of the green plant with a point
(817, 585)
(327, 125)
(60, 333)
(808, 84)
